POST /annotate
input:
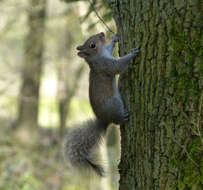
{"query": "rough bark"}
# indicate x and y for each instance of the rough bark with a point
(163, 90)
(33, 61)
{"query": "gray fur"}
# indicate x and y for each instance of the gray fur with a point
(104, 63)
(104, 95)
(81, 146)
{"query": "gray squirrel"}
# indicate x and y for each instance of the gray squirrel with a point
(82, 143)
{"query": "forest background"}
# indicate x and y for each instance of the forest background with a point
(44, 90)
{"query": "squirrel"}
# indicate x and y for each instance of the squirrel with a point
(82, 143)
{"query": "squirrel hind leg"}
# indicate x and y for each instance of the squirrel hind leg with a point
(126, 115)
(115, 111)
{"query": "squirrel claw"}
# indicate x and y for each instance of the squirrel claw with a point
(135, 50)
(115, 38)
(126, 115)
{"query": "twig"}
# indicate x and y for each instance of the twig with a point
(184, 148)
(100, 18)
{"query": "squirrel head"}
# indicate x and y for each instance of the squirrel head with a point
(93, 46)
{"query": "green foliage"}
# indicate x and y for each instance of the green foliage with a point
(25, 166)
(40, 165)
(15, 169)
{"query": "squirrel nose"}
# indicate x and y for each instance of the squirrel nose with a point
(79, 48)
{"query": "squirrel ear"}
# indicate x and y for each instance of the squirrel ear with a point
(102, 34)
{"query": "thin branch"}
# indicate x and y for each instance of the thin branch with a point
(99, 17)
(185, 150)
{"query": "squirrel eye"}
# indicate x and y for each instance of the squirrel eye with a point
(92, 45)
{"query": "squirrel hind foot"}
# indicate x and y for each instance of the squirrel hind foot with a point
(126, 115)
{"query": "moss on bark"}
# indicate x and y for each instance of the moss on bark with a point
(163, 89)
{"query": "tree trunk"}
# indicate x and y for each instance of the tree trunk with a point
(162, 144)
(33, 61)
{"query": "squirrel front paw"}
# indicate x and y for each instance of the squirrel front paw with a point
(126, 115)
(135, 51)
(115, 38)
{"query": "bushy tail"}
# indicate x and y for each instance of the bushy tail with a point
(81, 147)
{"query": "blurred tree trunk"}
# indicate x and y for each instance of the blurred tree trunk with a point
(68, 77)
(33, 62)
(163, 89)
(67, 89)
